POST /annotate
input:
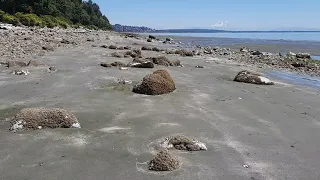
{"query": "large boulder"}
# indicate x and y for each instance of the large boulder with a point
(160, 82)
(252, 78)
(38, 118)
(164, 161)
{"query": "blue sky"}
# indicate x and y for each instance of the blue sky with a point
(217, 14)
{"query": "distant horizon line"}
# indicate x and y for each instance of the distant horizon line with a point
(209, 30)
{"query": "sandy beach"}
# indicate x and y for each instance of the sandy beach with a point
(251, 131)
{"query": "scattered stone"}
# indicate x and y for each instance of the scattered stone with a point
(127, 47)
(162, 60)
(121, 48)
(124, 81)
(4, 64)
(149, 40)
(138, 60)
(123, 68)
(113, 47)
(16, 64)
(156, 49)
(53, 69)
(147, 64)
(303, 55)
(35, 63)
(169, 39)
(181, 142)
(116, 54)
(152, 37)
(199, 66)
(177, 63)
(144, 48)
(20, 72)
(299, 64)
(134, 53)
(6, 26)
(104, 46)
(94, 45)
(160, 82)
(252, 78)
(290, 54)
(39, 118)
(170, 52)
(90, 39)
(184, 52)
(256, 53)
(118, 64)
(65, 41)
(48, 48)
(164, 161)
(103, 64)
(244, 49)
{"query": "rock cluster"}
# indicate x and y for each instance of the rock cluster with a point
(181, 142)
(299, 62)
(38, 118)
(164, 161)
(252, 78)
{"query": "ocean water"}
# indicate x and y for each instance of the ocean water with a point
(302, 80)
(282, 41)
(291, 36)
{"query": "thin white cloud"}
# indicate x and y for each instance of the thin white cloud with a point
(220, 24)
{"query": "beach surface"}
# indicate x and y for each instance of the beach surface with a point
(251, 131)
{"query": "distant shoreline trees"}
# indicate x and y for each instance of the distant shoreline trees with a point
(51, 13)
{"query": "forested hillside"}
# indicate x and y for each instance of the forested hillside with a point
(53, 12)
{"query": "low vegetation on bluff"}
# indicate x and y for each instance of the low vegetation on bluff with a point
(51, 13)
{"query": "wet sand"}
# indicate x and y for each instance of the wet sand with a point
(272, 129)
